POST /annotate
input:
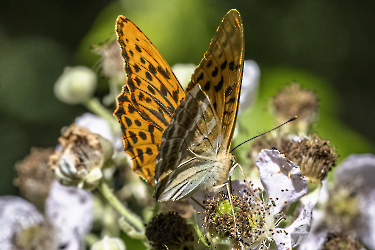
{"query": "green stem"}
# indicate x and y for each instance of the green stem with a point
(97, 108)
(128, 215)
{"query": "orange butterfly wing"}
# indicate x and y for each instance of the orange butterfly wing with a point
(147, 101)
(220, 71)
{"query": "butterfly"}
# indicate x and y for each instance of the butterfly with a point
(181, 143)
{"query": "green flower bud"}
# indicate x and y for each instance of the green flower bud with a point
(75, 85)
(108, 243)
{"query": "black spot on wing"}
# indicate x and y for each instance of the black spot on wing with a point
(149, 151)
(200, 77)
(175, 96)
(142, 135)
(133, 137)
(163, 90)
(148, 76)
(215, 72)
(128, 121)
(209, 63)
(138, 123)
(137, 80)
(151, 129)
(231, 65)
(136, 68)
(220, 84)
(131, 85)
(152, 69)
(207, 86)
(223, 65)
(131, 109)
(229, 90)
(151, 89)
(140, 154)
(164, 73)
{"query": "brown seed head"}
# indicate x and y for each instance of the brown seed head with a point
(34, 176)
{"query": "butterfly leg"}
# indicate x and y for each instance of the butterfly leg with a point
(244, 176)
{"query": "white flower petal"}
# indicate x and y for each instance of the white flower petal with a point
(362, 166)
(250, 80)
(282, 240)
(70, 211)
(281, 179)
(295, 233)
(16, 214)
(300, 228)
(318, 233)
(359, 171)
(367, 231)
(96, 125)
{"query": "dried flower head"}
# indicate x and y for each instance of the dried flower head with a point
(169, 231)
(294, 101)
(112, 66)
(342, 241)
(111, 62)
(81, 158)
(34, 176)
(313, 155)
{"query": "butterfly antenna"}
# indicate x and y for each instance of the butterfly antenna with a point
(290, 120)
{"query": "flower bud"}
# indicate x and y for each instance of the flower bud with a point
(109, 243)
(294, 101)
(75, 85)
(82, 157)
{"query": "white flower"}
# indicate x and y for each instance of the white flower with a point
(16, 214)
(348, 206)
(68, 217)
(259, 214)
(250, 80)
(70, 211)
(284, 184)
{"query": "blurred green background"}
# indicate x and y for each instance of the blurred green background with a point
(327, 46)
